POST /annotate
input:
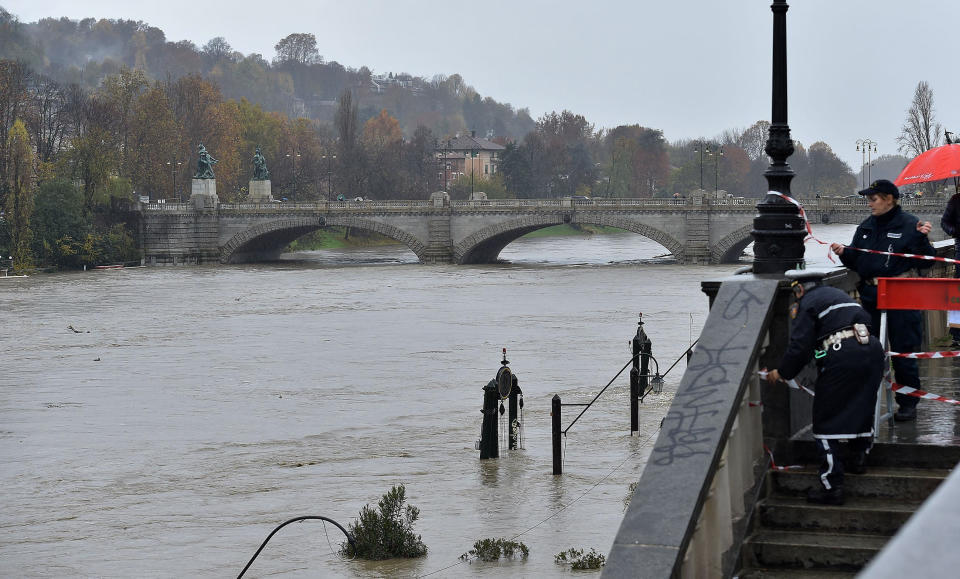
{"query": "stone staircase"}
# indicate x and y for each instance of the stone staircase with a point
(792, 538)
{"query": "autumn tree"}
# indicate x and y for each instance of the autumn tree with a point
(14, 99)
(159, 162)
(638, 162)
(383, 141)
(828, 174)
(350, 158)
(19, 205)
(193, 100)
(217, 48)
(120, 92)
(299, 48)
(94, 151)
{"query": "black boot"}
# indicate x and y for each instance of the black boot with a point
(906, 413)
(857, 464)
(822, 496)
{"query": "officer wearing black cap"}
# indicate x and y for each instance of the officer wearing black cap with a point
(826, 324)
(891, 229)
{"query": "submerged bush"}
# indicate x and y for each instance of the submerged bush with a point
(579, 560)
(388, 532)
(493, 549)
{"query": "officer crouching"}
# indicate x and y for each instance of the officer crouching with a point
(826, 324)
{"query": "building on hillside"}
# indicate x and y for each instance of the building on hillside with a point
(379, 83)
(463, 155)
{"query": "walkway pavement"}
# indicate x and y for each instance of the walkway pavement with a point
(937, 423)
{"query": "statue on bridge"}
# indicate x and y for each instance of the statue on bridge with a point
(205, 164)
(260, 171)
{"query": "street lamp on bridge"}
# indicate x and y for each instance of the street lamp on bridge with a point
(174, 168)
(701, 148)
(294, 156)
(329, 159)
(866, 147)
(716, 170)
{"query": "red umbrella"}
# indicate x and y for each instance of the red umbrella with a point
(935, 164)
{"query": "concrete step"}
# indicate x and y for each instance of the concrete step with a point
(906, 485)
(858, 515)
(759, 573)
(804, 451)
(807, 550)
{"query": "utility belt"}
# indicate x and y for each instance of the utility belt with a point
(912, 272)
(858, 331)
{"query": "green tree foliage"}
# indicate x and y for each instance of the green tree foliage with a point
(579, 560)
(58, 213)
(19, 204)
(638, 164)
(386, 532)
(489, 550)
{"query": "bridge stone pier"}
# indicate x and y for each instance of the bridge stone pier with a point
(696, 230)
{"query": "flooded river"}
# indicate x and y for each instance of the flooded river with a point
(160, 422)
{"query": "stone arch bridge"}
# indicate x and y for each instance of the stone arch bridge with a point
(698, 230)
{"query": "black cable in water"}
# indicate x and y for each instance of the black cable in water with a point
(685, 352)
(274, 532)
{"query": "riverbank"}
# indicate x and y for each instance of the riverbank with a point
(337, 238)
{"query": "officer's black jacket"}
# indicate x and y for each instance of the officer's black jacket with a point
(895, 232)
(950, 221)
(821, 312)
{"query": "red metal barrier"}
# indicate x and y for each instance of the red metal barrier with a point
(918, 293)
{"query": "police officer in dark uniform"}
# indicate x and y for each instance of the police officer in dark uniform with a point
(826, 324)
(891, 229)
(950, 223)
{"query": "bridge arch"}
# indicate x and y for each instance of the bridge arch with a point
(728, 249)
(385, 229)
(267, 240)
(672, 245)
(484, 245)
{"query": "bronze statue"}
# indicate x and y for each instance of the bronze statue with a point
(260, 171)
(205, 164)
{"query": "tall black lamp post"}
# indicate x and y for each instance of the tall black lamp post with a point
(778, 230)
(329, 159)
(174, 167)
(865, 146)
(701, 148)
(716, 171)
(294, 156)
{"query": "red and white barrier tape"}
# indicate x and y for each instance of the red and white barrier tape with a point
(925, 355)
(909, 391)
(792, 383)
(773, 463)
(803, 215)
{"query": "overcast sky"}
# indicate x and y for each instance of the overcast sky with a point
(691, 68)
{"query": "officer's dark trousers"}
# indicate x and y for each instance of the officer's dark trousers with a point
(905, 328)
(832, 457)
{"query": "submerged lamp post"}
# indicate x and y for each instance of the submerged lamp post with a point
(778, 230)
